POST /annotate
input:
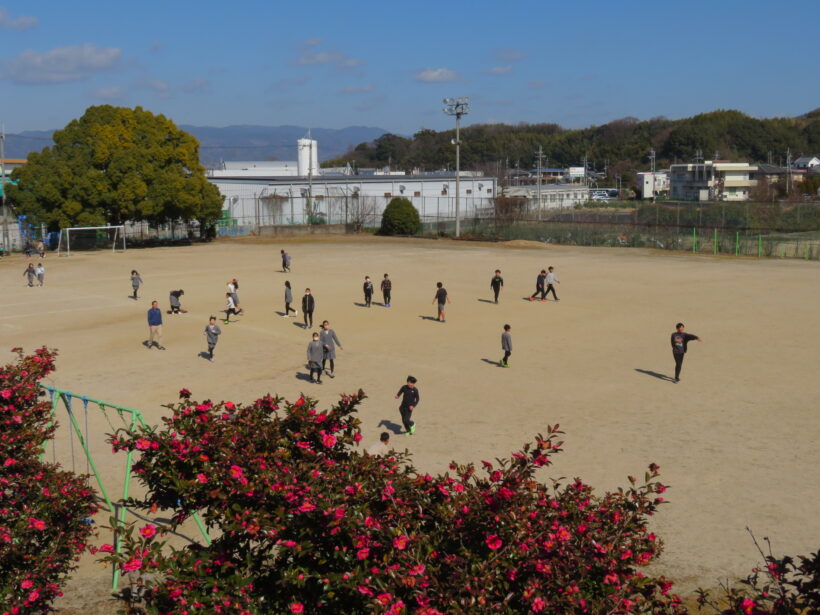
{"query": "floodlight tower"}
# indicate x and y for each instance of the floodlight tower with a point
(457, 107)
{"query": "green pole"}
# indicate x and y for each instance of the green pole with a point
(120, 514)
(694, 239)
(737, 242)
(54, 401)
(716, 246)
(759, 246)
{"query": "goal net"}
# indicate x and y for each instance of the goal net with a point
(91, 238)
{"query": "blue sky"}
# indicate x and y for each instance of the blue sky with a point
(385, 64)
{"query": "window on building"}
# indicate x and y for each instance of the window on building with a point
(387, 195)
(469, 192)
(417, 193)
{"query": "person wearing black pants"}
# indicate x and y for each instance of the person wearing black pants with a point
(496, 283)
(308, 304)
(506, 345)
(387, 288)
(552, 280)
(314, 357)
(368, 291)
(409, 400)
(329, 342)
(539, 286)
(288, 301)
(680, 341)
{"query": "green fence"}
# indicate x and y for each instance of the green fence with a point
(79, 428)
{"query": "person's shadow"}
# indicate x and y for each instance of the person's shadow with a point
(203, 355)
(649, 372)
(303, 376)
(394, 427)
(491, 362)
(486, 301)
(427, 317)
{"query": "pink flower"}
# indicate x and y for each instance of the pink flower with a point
(400, 542)
(201, 478)
(9, 462)
(143, 444)
(357, 437)
(34, 596)
(27, 584)
(132, 564)
(6, 393)
(748, 606)
(493, 542)
(417, 570)
(297, 607)
(306, 507)
(236, 472)
(106, 548)
(303, 444)
(148, 531)
(329, 440)
(36, 523)
(363, 553)
(538, 605)
(230, 405)
(184, 393)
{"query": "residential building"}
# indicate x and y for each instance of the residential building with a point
(806, 162)
(712, 180)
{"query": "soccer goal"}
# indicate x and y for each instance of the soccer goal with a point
(91, 238)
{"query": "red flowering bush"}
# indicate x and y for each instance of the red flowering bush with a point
(43, 510)
(304, 523)
(782, 586)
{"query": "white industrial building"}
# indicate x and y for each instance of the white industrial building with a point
(713, 181)
(652, 184)
(553, 196)
(270, 193)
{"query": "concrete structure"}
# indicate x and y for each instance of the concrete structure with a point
(712, 181)
(653, 184)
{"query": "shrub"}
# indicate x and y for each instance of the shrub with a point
(305, 523)
(400, 218)
(43, 510)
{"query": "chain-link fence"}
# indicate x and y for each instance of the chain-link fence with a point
(787, 230)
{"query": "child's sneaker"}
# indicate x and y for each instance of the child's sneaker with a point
(412, 429)
(543, 300)
(295, 312)
(532, 298)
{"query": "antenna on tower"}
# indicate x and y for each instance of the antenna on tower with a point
(698, 156)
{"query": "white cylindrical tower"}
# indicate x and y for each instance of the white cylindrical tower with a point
(307, 162)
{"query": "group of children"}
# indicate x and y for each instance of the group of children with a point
(35, 273)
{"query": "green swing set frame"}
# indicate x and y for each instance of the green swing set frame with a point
(134, 418)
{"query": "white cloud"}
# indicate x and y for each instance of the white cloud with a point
(356, 89)
(60, 65)
(110, 93)
(499, 70)
(311, 56)
(509, 55)
(437, 75)
(7, 22)
(196, 84)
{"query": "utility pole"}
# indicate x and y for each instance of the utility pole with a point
(457, 107)
(652, 168)
(698, 156)
(788, 171)
(6, 241)
(539, 157)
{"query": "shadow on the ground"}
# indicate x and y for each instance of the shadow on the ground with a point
(491, 362)
(423, 317)
(657, 375)
(394, 427)
(486, 301)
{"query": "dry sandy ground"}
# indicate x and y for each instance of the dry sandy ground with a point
(737, 439)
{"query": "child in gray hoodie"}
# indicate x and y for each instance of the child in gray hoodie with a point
(315, 354)
(212, 333)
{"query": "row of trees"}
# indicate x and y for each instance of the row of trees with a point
(623, 143)
(302, 522)
(113, 165)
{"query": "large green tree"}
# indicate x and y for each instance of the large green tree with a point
(113, 165)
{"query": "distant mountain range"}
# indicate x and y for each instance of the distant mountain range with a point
(233, 142)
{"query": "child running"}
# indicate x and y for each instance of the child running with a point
(288, 301)
(506, 345)
(285, 261)
(233, 286)
(212, 333)
(552, 279)
(496, 283)
(442, 298)
(41, 274)
(680, 342)
(136, 280)
(409, 400)
(173, 299)
(30, 273)
(539, 286)
(230, 305)
(387, 288)
(315, 354)
(368, 291)
(308, 305)
(329, 342)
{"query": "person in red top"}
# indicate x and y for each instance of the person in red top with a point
(680, 340)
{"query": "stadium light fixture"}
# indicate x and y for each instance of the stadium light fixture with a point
(457, 107)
